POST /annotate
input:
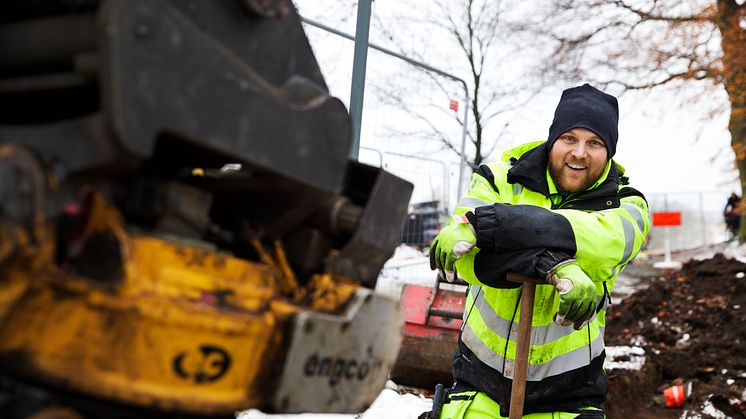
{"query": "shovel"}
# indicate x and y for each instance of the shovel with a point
(518, 390)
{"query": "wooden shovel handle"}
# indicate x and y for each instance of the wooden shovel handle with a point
(520, 371)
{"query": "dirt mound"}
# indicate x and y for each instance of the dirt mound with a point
(692, 325)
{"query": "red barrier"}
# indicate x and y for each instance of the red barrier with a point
(666, 219)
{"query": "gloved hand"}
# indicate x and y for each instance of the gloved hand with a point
(453, 241)
(577, 294)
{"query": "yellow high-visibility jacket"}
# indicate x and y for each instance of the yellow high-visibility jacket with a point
(525, 225)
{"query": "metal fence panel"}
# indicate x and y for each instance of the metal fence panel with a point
(702, 221)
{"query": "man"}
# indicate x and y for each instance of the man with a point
(732, 215)
(560, 208)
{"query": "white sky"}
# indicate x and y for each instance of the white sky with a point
(664, 150)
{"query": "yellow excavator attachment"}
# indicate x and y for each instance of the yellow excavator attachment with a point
(182, 231)
(188, 329)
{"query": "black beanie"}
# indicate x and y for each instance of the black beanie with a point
(587, 107)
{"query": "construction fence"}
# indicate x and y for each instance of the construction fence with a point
(702, 221)
(434, 195)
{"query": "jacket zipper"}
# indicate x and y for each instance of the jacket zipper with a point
(563, 202)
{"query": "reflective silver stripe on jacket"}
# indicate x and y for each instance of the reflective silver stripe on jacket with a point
(636, 215)
(472, 291)
(629, 245)
(536, 372)
(471, 202)
(540, 335)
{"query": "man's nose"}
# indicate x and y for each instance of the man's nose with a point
(579, 150)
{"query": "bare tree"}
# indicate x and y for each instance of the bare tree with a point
(480, 32)
(699, 45)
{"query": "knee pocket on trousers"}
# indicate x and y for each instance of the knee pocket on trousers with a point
(457, 405)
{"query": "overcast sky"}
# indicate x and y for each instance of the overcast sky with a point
(664, 150)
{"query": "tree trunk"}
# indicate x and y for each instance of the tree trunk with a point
(733, 42)
(738, 143)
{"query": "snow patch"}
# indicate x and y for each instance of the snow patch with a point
(684, 338)
(624, 358)
(389, 404)
(409, 265)
(737, 252)
(709, 409)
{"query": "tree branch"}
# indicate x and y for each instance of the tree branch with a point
(649, 15)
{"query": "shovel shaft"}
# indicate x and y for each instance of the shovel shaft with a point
(518, 390)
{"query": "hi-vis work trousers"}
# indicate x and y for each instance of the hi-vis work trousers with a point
(473, 404)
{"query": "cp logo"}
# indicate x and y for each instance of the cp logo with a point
(205, 365)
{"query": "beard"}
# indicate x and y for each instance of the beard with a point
(561, 175)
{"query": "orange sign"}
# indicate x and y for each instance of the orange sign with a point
(666, 219)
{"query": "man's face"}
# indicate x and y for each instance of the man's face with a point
(576, 160)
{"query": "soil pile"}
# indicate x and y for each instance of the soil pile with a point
(692, 325)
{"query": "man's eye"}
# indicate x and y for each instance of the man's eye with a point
(596, 143)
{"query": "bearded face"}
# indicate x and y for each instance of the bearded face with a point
(576, 160)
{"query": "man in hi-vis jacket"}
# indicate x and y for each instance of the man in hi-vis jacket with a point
(560, 207)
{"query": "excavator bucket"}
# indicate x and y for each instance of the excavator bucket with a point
(182, 232)
(432, 322)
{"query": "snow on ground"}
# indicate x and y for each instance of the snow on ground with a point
(731, 250)
(624, 286)
(633, 358)
(408, 266)
(711, 411)
(389, 405)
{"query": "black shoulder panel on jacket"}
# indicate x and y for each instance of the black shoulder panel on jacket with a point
(486, 173)
(530, 170)
(627, 192)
